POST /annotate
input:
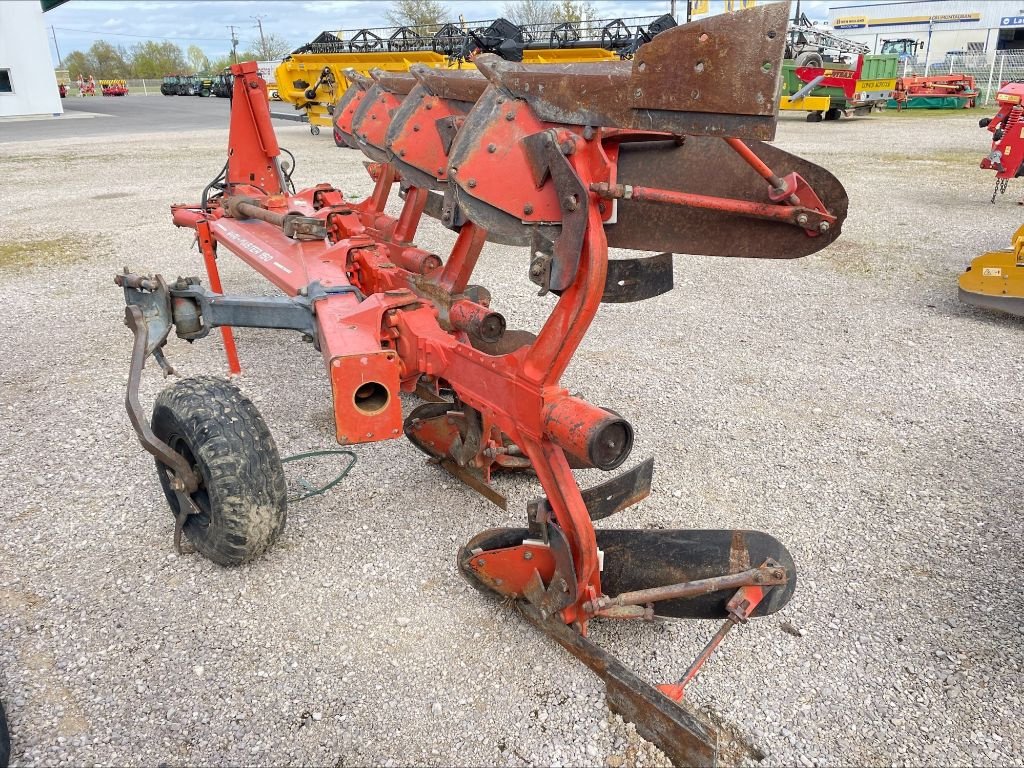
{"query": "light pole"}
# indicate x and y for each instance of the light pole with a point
(60, 61)
(263, 40)
(234, 45)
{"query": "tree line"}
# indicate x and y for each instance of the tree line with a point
(152, 59)
(430, 13)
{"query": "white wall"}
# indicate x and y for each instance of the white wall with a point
(25, 51)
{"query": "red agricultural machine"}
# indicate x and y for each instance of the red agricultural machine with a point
(1006, 157)
(663, 153)
(114, 87)
(955, 91)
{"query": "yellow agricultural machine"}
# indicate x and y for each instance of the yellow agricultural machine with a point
(995, 280)
(313, 77)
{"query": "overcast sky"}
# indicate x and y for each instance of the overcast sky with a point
(78, 23)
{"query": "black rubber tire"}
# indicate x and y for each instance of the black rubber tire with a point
(833, 114)
(242, 491)
(315, 130)
(810, 59)
(5, 739)
(814, 117)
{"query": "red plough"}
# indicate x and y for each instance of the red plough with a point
(662, 154)
(1006, 156)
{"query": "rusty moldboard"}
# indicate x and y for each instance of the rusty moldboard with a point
(717, 76)
(709, 166)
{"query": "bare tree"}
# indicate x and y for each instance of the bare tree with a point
(574, 10)
(270, 47)
(529, 12)
(197, 59)
(418, 14)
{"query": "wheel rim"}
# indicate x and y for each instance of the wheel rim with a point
(201, 496)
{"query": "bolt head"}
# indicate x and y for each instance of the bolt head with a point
(801, 218)
(527, 209)
(528, 556)
(824, 227)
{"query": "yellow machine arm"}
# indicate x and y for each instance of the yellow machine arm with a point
(995, 280)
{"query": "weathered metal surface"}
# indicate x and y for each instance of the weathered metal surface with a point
(729, 63)
(620, 492)
(546, 155)
(346, 108)
(473, 479)
(595, 95)
(769, 574)
(717, 76)
(464, 85)
(710, 166)
(637, 279)
(371, 120)
(639, 559)
(399, 83)
(678, 732)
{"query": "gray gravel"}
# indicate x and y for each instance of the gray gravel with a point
(846, 402)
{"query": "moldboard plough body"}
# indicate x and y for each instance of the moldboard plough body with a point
(662, 154)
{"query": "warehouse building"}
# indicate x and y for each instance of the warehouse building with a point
(940, 27)
(28, 85)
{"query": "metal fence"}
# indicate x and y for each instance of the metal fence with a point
(989, 71)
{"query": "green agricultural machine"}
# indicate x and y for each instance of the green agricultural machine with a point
(850, 85)
(169, 87)
(223, 83)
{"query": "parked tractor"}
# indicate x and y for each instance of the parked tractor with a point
(169, 86)
(222, 84)
(904, 48)
(195, 85)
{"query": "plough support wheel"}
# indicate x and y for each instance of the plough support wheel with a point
(241, 498)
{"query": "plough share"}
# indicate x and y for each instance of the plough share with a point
(663, 153)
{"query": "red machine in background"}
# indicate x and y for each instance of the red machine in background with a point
(1006, 157)
(662, 153)
(114, 87)
(915, 91)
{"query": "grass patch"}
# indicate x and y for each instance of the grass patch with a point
(949, 158)
(18, 255)
(61, 158)
(847, 257)
(905, 113)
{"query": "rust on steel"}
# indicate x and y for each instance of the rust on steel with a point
(769, 574)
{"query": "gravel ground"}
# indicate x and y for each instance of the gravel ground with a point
(846, 403)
